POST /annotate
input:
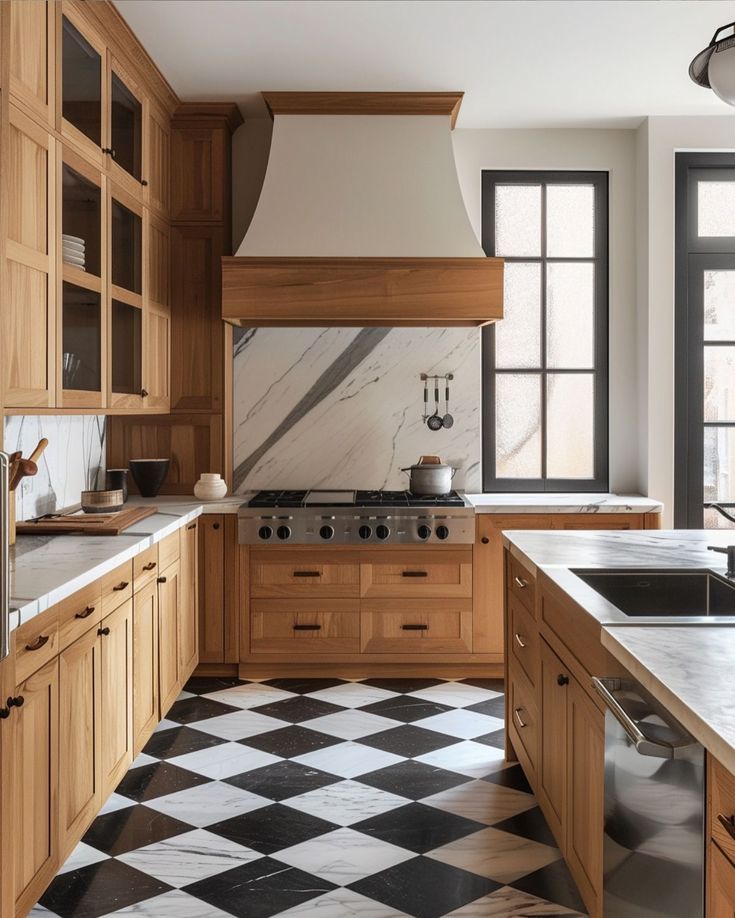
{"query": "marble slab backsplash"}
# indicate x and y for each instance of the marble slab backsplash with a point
(74, 460)
(342, 407)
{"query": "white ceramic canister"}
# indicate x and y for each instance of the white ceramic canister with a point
(210, 486)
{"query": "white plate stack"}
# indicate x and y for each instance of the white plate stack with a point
(72, 251)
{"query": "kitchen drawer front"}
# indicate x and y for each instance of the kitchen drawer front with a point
(522, 584)
(302, 574)
(78, 613)
(418, 573)
(168, 550)
(523, 721)
(145, 567)
(36, 643)
(305, 626)
(722, 807)
(523, 639)
(116, 587)
(720, 884)
(416, 626)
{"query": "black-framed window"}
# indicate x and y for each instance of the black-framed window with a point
(545, 365)
(705, 339)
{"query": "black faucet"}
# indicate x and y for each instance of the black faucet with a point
(721, 510)
(730, 552)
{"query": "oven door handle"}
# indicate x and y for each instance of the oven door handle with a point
(643, 745)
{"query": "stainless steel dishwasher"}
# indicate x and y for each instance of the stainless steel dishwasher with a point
(653, 855)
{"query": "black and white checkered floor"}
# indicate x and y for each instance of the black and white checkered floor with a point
(380, 798)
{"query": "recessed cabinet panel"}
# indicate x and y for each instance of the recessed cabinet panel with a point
(126, 120)
(127, 248)
(32, 53)
(127, 348)
(81, 86)
(81, 339)
(81, 221)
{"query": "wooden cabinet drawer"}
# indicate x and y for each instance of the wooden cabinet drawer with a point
(302, 574)
(36, 643)
(720, 884)
(416, 626)
(722, 807)
(523, 721)
(418, 573)
(522, 584)
(78, 614)
(145, 566)
(116, 587)
(298, 626)
(523, 638)
(168, 550)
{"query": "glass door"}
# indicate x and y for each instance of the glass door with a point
(126, 130)
(81, 88)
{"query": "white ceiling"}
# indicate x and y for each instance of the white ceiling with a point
(521, 64)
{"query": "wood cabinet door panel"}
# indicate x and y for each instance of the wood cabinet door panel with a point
(188, 601)
(145, 664)
(720, 884)
(116, 703)
(416, 573)
(523, 639)
(157, 170)
(299, 574)
(327, 628)
(169, 590)
(553, 740)
(32, 55)
(416, 626)
(523, 721)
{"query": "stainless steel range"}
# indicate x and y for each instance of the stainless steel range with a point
(355, 518)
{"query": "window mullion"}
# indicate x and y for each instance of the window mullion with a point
(542, 380)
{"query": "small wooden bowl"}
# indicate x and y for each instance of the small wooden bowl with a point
(102, 501)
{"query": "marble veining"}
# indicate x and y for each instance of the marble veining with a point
(563, 503)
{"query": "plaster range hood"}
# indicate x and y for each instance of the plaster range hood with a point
(361, 220)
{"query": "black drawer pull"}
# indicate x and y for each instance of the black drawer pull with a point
(121, 586)
(160, 580)
(307, 573)
(415, 574)
(192, 526)
(40, 642)
(415, 627)
(149, 566)
(85, 613)
(307, 627)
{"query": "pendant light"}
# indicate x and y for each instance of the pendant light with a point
(714, 68)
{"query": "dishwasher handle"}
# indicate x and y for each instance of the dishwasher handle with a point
(643, 745)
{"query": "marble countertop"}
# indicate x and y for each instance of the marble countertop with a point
(563, 503)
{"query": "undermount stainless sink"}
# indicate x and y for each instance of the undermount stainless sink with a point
(666, 595)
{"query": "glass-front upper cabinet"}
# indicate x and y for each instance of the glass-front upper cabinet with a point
(126, 355)
(81, 87)
(81, 347)
(126, 125)
(126, 248)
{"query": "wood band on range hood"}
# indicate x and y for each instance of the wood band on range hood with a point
(364, 103)
(362, 291)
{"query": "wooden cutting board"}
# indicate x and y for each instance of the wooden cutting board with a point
(76, 521)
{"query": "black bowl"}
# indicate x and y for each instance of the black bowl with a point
(149, 474)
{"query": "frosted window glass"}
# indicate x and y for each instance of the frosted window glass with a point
(716, 208)
(569, 425)
(570, 308)
(518, 336)
(719, 383)
(518, 220)
(570, 221)
(518, 425)
(719, 464)
(719, 305)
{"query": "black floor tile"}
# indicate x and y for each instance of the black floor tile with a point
(282, 780)
(492, 685)
(202, 685)
(403, 686)
(166, 744)
(493, 707)
(510, 777)
(157, 780)
(406, 708)
(408, 740)
(304, 686)
(259, 889)
(496, 739)
(100, 889)
(418, 827)
(272, 828)
(298, 709)
(424, 888)
(130, 828)
(529, 824)
(413, 779)
(288, 742)
(190, 710)
(554, 883)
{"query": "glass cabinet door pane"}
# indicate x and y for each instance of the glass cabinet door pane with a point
(81, 221)
(127, 127)
(81, 87)
(127, 248)
(81, 339)
(127, 348)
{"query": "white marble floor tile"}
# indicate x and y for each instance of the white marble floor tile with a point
(249, 696)
(183, 695)
(115, 802)
(472, 759)
(348, 759)
(166, 725)
(237, 725)
(351, 724)
(456, 693)
(143, 759)
(497, 855)
(344, 856)
(507, 902)
(346, 802)
(207, 804)
(38, 911)
(224, 761)
(341, 903)
(82, 856)
(174, 904)
(482, 801)
(187, 858)
(352, 694)
(463, 724)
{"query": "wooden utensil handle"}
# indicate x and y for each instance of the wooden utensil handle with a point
(429, 460)
(36, 454)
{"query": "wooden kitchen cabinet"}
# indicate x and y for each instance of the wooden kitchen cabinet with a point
(116, 696)
(219, 589)
(32, 56)
(145, 664)
(169, 594)
(552, 771)
(720, 884)
(188, 617)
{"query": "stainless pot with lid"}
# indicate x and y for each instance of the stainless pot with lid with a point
(430, 477)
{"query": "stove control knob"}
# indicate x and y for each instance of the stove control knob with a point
(442, 532)
(326, 532)
(424, 531)
(283, 532)
(265, 532)
(382, 532)
(365, 532)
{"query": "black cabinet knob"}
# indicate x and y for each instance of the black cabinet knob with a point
(365, 532)
(424, 532)
(215, 525)
(561, 679)
(103, 631)
(484, 540)
(442, 532)
(382, 532)
(16, 702)
(4, 713)
(327, 532)
(265, 532)
(161, 580)
(283, 533)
